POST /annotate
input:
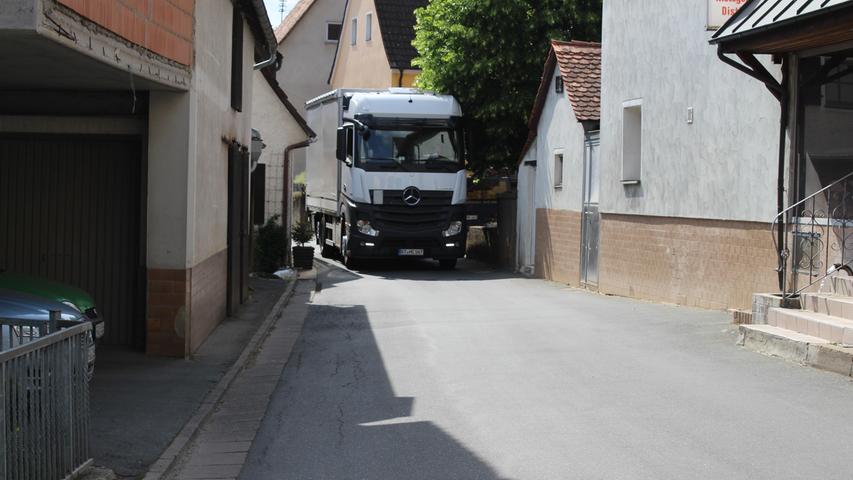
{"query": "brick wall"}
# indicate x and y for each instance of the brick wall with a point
(558, 236)
(164, 27)
(184, 306)
(208, 290)
(168, 298)
(703, 263)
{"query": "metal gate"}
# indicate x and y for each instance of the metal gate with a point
(70, 212)
(238, 227)
(591, 216)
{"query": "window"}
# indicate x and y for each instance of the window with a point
(236, 59)
(839, 92)
(354, 32)
(558, 170)
(558, 84)
(368, 27)
(333, 32)
(632, 141)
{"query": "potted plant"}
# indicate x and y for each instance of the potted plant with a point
(303, 257)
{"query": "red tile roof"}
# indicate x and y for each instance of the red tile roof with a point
(580, 67)
(292, 18)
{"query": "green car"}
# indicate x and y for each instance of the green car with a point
(60, 292)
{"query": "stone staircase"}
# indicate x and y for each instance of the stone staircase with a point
(819, 333)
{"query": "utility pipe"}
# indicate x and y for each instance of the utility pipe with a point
(286, 221)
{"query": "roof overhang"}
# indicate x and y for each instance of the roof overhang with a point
(783, 26)
(265, 44)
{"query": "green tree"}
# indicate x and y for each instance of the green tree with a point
(489, 54)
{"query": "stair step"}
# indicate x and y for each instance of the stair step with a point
(830, 328)
(829, 304)
(842, 284)
(804, 349)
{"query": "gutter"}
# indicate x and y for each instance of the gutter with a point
(259, 22)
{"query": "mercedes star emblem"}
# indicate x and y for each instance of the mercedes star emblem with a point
(411, 196)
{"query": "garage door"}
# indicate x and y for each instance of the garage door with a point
(70, 212)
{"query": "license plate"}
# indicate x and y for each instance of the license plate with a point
(410, 252)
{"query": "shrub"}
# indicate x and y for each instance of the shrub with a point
(302, 233)
(269, 247)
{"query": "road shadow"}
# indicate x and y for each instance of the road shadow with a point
(334, 414)
(429, 270)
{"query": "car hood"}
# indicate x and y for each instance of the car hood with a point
(38, 286)
(25, 306)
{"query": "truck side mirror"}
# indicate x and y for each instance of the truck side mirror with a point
(344, 151)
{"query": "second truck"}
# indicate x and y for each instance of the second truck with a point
(386, 177)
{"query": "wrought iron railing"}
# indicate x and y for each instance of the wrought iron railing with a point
(820, 230)
(44, 403)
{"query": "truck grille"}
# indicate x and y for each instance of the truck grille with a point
(432, 212)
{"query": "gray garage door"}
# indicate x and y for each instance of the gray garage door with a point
(70, 212)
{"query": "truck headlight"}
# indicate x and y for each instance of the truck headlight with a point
(364, 227)
(455, 228)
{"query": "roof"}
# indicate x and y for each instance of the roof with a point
(269, 75)
(292, 18)
(762, 18)
(259, 24)
(397, 23)
(580, 69)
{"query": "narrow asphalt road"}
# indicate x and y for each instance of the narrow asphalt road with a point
(410, 372)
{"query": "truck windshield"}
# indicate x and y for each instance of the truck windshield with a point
(422, 150)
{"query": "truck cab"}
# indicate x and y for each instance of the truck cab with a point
(400, 158)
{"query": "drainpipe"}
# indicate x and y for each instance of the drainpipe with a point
(286, 221)
(784, 100)
(400, 79)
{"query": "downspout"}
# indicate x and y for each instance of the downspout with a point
(286, 196)
(781, 93)
(400, 79)
(780, 180)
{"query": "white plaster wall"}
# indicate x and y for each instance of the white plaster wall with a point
(169, 141)
(215, 121)
(559, 129)
(307, 56)
(278, 130)
(365, 64)
(723, 166)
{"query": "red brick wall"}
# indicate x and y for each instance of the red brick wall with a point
(702, 263)
(168, 312)
(185, 306)
(558, 237)
(163, 26)
(208, 290)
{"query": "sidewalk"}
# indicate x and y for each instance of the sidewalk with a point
(139, 403)
(218, 440)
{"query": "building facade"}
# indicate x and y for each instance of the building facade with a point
(128, 125)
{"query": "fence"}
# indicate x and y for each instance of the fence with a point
(44, 402)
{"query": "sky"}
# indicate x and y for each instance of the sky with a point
(272, 10)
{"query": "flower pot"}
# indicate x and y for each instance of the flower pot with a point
(303, 257)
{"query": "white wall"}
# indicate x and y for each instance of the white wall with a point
(307, 56)
(559, 130)
(278, 130)
(723, 166)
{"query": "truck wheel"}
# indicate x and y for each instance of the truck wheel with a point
(345, 259)
(447, 263)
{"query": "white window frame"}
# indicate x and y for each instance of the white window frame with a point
(368, 26)
(558, 180)
(353, 24)
(632, 177)
(326, 32)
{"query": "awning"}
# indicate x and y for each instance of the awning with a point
(778, 26)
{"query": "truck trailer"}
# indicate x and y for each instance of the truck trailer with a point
(386, 175)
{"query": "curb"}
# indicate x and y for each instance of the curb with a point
(797, 348)
(159, 468)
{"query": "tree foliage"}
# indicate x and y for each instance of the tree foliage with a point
(489, 54)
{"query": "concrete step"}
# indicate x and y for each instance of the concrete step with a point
(841, 284)
(829, 328)
(828, 304)
(797, 347)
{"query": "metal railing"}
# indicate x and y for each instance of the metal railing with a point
(44, 403)
(820, 229)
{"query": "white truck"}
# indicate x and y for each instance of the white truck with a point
(386, 177)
